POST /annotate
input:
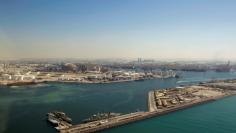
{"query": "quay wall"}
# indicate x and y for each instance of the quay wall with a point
(21, 83)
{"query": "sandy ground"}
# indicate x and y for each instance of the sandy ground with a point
(208, 93)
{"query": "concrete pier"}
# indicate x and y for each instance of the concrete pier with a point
(151, 102)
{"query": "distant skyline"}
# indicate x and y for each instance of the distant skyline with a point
(93, 29)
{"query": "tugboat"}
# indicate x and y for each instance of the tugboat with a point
(100, 116)
(59, 120)
(52, 119)
(62, 116)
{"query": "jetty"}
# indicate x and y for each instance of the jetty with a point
(161, 102)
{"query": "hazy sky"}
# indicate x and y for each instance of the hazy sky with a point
(162, 29)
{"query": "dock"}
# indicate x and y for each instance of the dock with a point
(185, 98)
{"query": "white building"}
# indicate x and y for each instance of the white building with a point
(6, 77)
(18, 77)
(28, 77)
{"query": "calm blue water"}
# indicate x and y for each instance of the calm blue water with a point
(23, 109)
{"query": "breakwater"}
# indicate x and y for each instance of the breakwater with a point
(138, 116)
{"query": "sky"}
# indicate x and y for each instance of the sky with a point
(157, 29)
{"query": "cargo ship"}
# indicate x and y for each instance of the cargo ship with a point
(224, 68)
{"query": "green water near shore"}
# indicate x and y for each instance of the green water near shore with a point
(23, 109)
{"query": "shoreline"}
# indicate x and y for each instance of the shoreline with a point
(25, 83)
